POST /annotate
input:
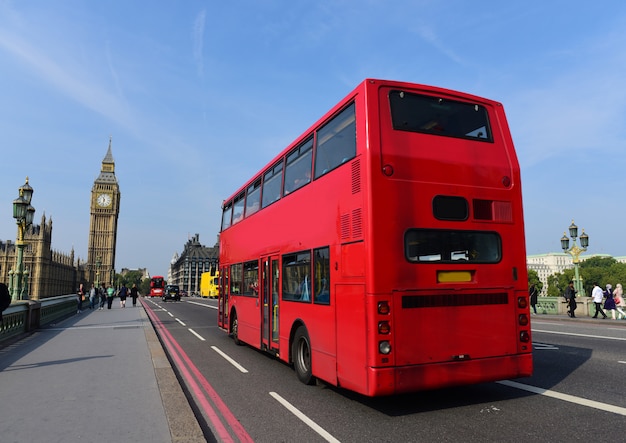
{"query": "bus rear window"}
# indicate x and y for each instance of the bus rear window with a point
(439, 116)
(447, 246)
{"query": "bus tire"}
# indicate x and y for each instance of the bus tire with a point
(234, 331)
(301, 354)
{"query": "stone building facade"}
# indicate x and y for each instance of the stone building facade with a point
(53, 273)
(187, 268)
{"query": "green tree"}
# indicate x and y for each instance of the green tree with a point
(533, 279)
(601, 270)
(597, 270)
(132, 278)
(144, 287)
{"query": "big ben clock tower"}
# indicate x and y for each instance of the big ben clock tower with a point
(105, 208)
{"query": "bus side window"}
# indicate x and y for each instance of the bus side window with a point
(321, 269)
(297, 276)
(336, 142)
(226, 215)
(253, 198)
(235, 279)
(272, 182)
(238, 208)
(298, 167)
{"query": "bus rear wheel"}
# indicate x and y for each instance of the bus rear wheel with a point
(301, 354)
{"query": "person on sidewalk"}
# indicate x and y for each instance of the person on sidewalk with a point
(80, 296)
(618, 295)
(103, 296)
(5, 299)
(93, 294)
(570, 296)
(597, 294)
(134, 293)
(122, 295)
(110, 295)
(533, 298)
(609, 304)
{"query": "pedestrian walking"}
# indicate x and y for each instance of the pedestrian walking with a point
(533, 298)
(103, 295)
(122, 295)
(93, 294)
(618, 296)
(5, 299)
(110, 295)
(597, 294)
(609, 303)
(570, 296)
(134, 293)
(80, 296)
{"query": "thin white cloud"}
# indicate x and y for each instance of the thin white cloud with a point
(429, 35)
(67, 77)
(198, 41)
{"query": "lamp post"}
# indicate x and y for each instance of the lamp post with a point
(98, 263)
(575, 252)
(23, 213)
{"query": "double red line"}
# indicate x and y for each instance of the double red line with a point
(222, 420)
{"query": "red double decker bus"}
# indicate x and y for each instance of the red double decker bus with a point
(157, 285)
(383, 251)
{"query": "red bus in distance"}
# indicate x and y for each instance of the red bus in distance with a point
(157, 285)
(383, 250)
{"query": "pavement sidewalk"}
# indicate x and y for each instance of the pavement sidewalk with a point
(98, 376)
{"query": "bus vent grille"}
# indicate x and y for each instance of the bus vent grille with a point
(356, 176)
(357, 223)
(345, 226)
(453, 300)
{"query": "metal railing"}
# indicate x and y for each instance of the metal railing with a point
(28, 315)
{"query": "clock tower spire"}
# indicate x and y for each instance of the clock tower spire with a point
(105, 206)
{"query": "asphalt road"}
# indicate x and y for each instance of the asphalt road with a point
(576, 393)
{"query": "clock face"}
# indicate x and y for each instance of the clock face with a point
(104, 200)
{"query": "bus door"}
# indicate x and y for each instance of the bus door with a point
(222, 300)
(270, 312)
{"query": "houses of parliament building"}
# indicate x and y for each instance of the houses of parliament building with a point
(53, 273)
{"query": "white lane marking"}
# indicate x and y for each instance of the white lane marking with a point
(169, 313)
(621, 361)
(178, 320)
(544, 346)
(566, 397)
(295, 411)
(201, 304)
(230, 360)
(196, 334)
(579, 335)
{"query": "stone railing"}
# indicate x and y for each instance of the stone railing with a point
(558, 306)
(28, 315)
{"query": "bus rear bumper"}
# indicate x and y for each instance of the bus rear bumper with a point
(397, 380)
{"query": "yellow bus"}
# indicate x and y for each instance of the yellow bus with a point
(209, 284)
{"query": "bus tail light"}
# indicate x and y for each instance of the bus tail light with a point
(384, 347)
(383, 327)
(522, 302)
(523, 320)
(383, 308)
(524, 337)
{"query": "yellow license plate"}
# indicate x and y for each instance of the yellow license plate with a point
(454, 276)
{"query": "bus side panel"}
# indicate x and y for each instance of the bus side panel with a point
(351, 337)
(321, 325)
(248, 318)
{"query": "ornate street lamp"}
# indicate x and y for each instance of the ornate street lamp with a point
(98, 264)
(575, 252)
(23, 213)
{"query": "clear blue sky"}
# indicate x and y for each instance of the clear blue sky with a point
(199, 95)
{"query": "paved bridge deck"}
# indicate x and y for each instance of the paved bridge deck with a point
(98, 376)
